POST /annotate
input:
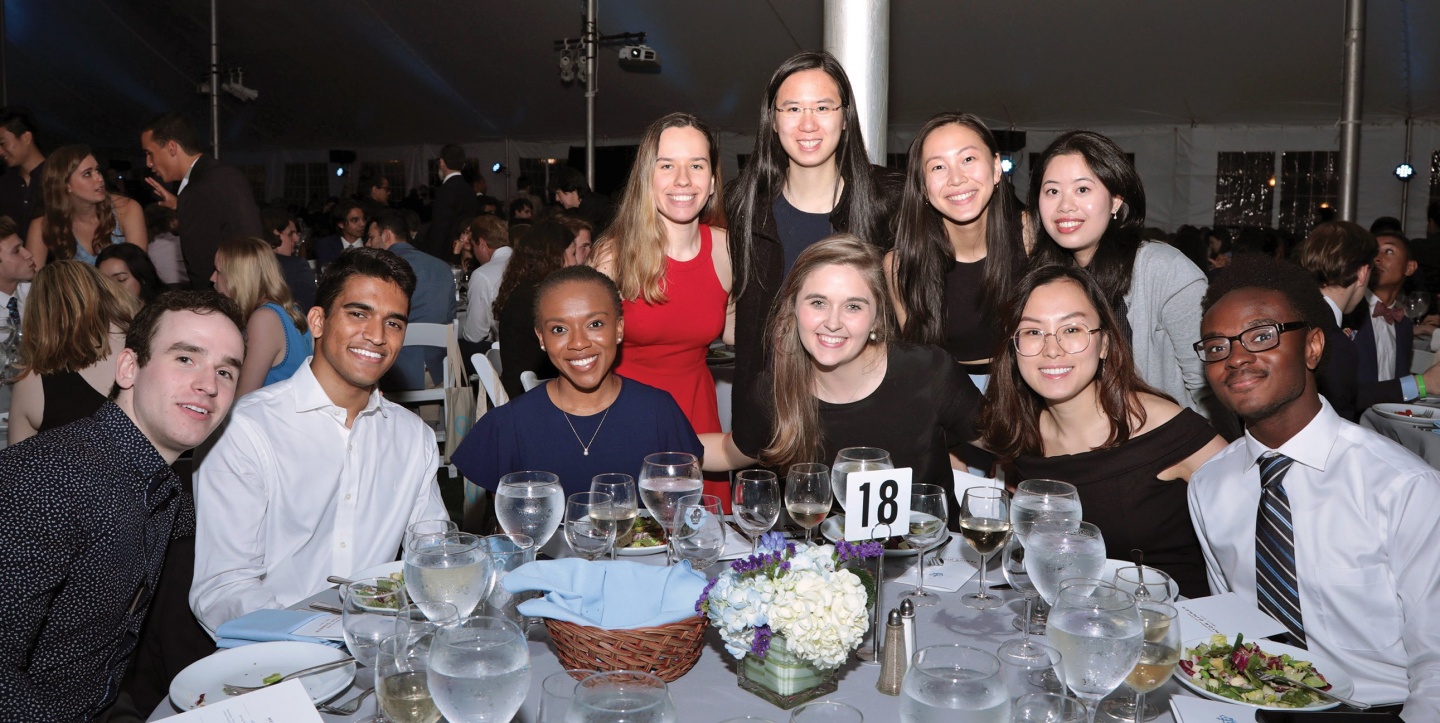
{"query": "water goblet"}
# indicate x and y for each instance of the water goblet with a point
(985, 525)
(1041, 500)
(367, 616)
(1099, 632)
(666, 478)
(808, 495)
(412, 622)
(700, 531)
(428, 527)
(1158, 658)
(622, 696)
(927, 528)
(556, 692)
(826, 711)
(530, 503)
(1149, 584)
(589, 536)
(755, 498)
(401, 687)
(855, 459)
(1029, 667)
(1048, 708)
(952, 682)
(1012, 564)
(448, 568)
(479, 670)
(1056, 551)
(625, 505)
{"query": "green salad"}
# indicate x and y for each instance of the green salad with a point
(1233, 670)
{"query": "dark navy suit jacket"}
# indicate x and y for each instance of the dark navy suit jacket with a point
(1367, 365)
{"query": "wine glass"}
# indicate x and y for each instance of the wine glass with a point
(1039, 500)
(665, 478)
(588, 535)
(808, 495)
(428, 527)
(1416, 304)
(755, 498)
(624, 508)
(856, 459)
(944, 680)
(1012, 564)
(530, 503)
(826, 711)
(985, 525)
(1098, 630)
(927, 527)
(1058, 551)
(479, 670)
(507, 552)
(622, 695)
(700, 531)
(367, 616)
(1154, 585)
(1029, 667)
(1048, 708)
(401, 686)
(447, 568)
(1158, 657)
(557, 690)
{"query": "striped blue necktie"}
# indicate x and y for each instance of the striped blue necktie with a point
(1276, 585)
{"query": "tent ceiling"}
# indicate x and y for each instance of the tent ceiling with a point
(356, 73)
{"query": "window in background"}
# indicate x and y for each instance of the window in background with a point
(393, 171)
(1309, 185)
(1244, 188)
(304, 181)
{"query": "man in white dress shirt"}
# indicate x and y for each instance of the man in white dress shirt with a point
(492, 250)
(317, 475)
(1359, 510)
(17, 269)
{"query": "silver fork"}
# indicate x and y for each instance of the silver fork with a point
(350, 708)
(312, 670)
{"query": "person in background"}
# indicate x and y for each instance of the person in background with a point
(1384, 334)
(432, 302)
(131, 268)
(539, 253)
(374, 194)
(455, 201)
(1356, 580)
(573, 194)
(283, 237)
(17, 269)
(1065, 402)
(20, 196)
(463, 248)
(277, 338)
(490, 244)
(75, 324)
(164, 250)
(81, 218)
(349, 218)
(522, 211)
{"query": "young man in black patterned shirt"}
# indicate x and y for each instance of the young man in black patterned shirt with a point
(87, 511)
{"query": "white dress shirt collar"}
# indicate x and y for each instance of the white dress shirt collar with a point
(186, 180)
(449, 176)
(310, 396)
(1311, 446)
(1334, 309)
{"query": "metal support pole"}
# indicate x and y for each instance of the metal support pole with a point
(4, 60)
(592, 39)
(1350, 107)
(214, 79)
(857, 33)
(1405, 185)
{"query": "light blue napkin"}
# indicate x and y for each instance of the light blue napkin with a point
(615, 595)
(263, 626)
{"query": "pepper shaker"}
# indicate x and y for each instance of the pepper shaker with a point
(892, 660)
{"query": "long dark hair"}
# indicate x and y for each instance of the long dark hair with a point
(140, 266)
(923, 252)
(1114, 258)
(1009, 420)
(539, 252)
(863, 213)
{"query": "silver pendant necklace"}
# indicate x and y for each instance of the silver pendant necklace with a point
(583, 446)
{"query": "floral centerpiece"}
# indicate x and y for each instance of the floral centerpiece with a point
(794, 612)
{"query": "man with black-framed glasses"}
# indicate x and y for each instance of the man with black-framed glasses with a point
(1328, 526)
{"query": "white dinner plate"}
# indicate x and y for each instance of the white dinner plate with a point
(1340, 683)
(251, 664)
(386, 570)
(641, 551)
(1112, 566)
(1415, 414)
(833, 529)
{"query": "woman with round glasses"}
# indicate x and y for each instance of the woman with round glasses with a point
(1066, 403)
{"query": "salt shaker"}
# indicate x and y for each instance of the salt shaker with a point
(907, 624)
(892, 657)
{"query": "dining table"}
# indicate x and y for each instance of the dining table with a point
(1420, 437)
(710, 692)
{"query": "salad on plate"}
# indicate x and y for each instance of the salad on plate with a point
(1233, 670)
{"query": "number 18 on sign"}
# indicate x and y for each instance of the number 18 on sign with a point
(878, 503)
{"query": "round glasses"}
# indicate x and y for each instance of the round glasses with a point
(1072, 339)
(796, 112)
(1255, 339)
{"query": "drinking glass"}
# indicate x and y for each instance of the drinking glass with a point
(1158, 657)
(447, 568)
(622, 696)
(826, 711)
(700, 531)
(856, 459)
(927, 527)
(625, 505)
(1029, 667)
(589, 536)
(1416, 304)
(9, 349)
(1041, 500)
(1098, 630)
(557, 690)
(368, 614)
(412, 622)
(1155, 586)
(428, 527)
(1048, 708)
(1057, 551)
(479, 670)
(507, 552)
(808, 495)
(952, 683)
(665, 478)
(1012, 563)
(755, 499)
(985, 525)
(530, 503)
(400, 680)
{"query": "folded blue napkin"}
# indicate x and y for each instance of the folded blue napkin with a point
(614, 595)
(263, 626)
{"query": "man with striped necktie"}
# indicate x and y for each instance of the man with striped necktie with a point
(1330, 526)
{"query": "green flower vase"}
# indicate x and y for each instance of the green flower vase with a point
(784, 679)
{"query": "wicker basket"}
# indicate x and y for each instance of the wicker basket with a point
(668, 651)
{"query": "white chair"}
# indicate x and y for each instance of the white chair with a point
(425, 335)
(489, 379)
(493, 354)
(530, 380)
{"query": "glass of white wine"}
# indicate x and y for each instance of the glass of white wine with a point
(985, 525)
(625, 505)
(589, 535)
(448, 568)
(1158, 658)
(928, 512)
(808, 495)
(400, 680)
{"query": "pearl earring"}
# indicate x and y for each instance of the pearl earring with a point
(872, 336)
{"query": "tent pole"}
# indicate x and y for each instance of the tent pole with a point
(1350, 107)
(214, 79)
(857, 33)
(1405, 185)
(592, 38)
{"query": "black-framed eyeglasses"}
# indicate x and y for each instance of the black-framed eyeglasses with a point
(1072, 339)
(1255, 339)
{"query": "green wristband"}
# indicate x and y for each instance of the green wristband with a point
(1420, 382)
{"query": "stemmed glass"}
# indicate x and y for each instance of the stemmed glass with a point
(622, 695)
(755, 498)
(808, 495)
(368, 615)
(556, 692)
(928, 514)
(1158, 658)
(665, 479)
(826, 711)
(400, 680)
(700, 531)
(428, 527)
(624, 507)
(944, 680)
(1038, 500)
(1029, 667)
(985, 525)
(1058, 551)
(856, 459)
(479, 670)
(530, 503)
(1154, 585)
(1098, 631)
(1048, 708)
(413, 623)
(1012, 563)
(588, 534)
(447, 568)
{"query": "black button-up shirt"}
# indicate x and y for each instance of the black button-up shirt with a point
(86, 513)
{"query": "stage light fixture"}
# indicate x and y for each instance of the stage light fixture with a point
(498, 167)
(1404, 171)
(340, 172)
(1007, 165)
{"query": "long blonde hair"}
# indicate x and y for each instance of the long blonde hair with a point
(635, 242)
(57, 230)
(254, 278)
(797, 436)
(68, 318)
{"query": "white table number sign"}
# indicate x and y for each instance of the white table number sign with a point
(877, 498)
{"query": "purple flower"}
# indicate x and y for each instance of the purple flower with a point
(845, 551)
(761, 645)
(700, 605)
(773, 541)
